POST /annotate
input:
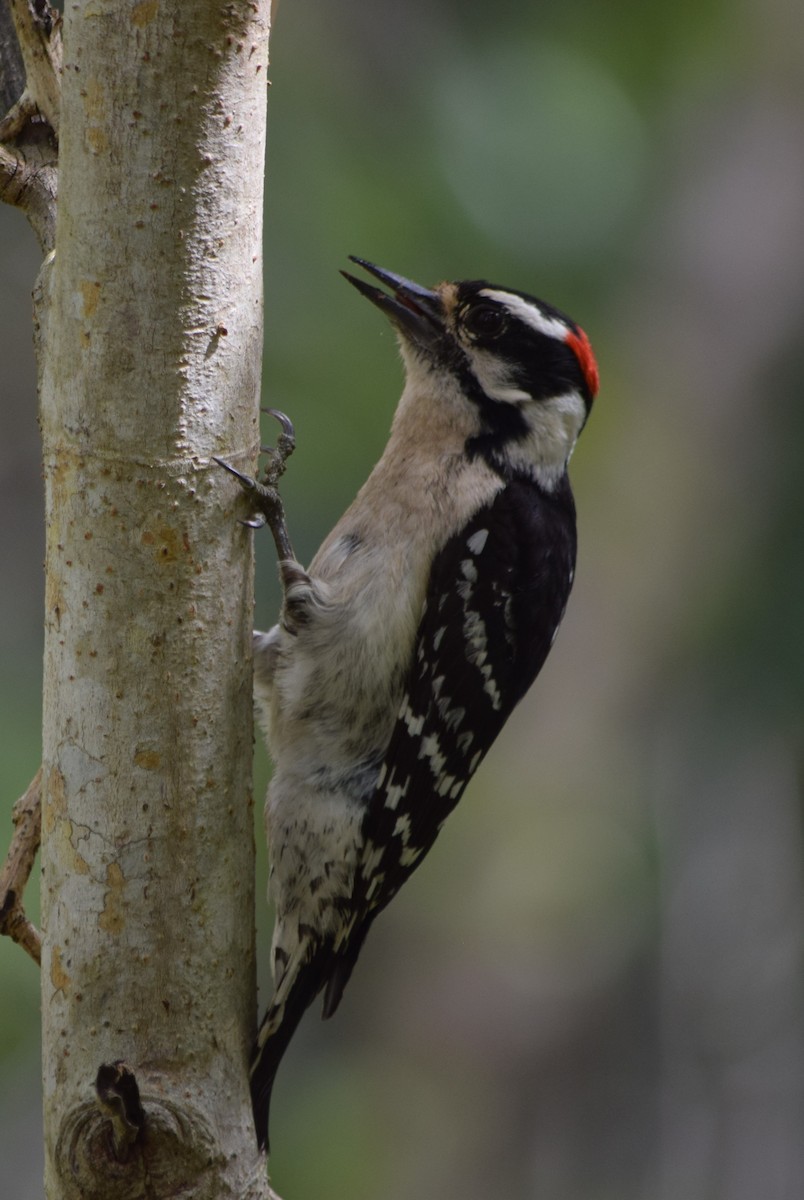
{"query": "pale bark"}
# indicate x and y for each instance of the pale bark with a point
(149, 343)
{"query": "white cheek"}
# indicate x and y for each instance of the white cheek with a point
(494, 378)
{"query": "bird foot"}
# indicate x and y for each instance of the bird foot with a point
(264, 498)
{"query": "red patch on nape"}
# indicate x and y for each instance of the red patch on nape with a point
(581, 347)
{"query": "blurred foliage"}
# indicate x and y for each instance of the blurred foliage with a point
(592, 988)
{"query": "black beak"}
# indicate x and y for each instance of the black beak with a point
(417, 312)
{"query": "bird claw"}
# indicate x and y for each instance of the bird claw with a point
(279, 454)
(246, 482)
(263, 494)
(287, 438)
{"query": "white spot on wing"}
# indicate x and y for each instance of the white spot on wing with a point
(372, 857)
(402, 828)
(478, 540)
(374, 886)
(396, 792)
(431, 750)
(414, 724)
(452, 717)
(474, 629)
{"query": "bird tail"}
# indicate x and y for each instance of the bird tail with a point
(341, 965)
(277, 1028)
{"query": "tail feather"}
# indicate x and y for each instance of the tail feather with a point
(278, 1026)
(342, 965)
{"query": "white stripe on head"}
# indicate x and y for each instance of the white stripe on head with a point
(531, 314)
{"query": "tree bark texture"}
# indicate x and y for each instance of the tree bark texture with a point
(12, 75)
(150, 336)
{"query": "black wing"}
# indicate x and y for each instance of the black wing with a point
(495, 598)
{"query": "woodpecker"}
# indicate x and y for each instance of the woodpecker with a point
(420, 623)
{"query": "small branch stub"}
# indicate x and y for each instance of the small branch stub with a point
(119, 1097)
(30, 45)
(27, 818)
(38, 29)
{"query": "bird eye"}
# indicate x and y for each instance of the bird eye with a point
(485, 320)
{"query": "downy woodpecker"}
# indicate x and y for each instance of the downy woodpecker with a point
(420, 623)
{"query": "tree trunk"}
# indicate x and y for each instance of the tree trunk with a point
(150, 335)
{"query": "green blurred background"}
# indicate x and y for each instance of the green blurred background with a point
(592, 988)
